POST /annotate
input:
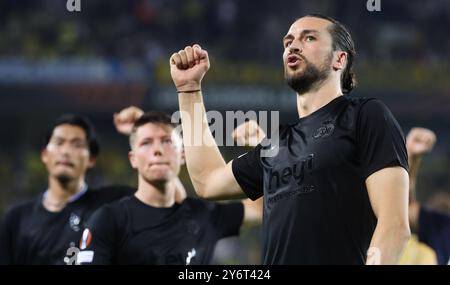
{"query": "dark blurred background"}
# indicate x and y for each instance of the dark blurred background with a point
(114, 53)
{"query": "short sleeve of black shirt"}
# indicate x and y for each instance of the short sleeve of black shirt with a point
(379, 138)
(102, 226)
(248, 171)
(227, 218)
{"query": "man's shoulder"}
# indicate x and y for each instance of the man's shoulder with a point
(110, 193)
(365, 103)
(357, 100)
(22, 209)
(366, 109)
(112, 188)
(197, 204)
(113, 212)
(118, 206)
(194, 202)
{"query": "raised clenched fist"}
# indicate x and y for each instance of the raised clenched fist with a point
(124, 120)
(420, 141)
(188, 66)
(248, 134)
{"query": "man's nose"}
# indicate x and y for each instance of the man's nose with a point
(295, 47)
(157, 149)
(66, 148)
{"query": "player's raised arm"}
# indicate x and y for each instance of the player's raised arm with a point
(211, 176)
(124, 119)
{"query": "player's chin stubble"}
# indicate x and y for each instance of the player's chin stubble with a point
(311, 77)
(64, 180)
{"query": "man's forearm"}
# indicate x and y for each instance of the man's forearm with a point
(202, 154)
(253, 211)
(414, 164)
(387, 244)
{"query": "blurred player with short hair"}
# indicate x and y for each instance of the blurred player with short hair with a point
(151, 227)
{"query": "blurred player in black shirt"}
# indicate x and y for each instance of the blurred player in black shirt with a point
(151, 227)
(335, 183)
(42, 230)
(45, 229)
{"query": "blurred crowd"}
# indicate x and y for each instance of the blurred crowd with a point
(149, 29)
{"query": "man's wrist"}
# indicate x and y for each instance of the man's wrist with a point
(189, 91)
(189, 86)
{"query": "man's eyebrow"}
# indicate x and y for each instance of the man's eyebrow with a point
(55, 137)
(304, 32)
(146, 138)
(309, 31)
(78, 140)
(288, 37)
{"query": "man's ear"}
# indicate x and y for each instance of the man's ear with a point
(92, 161)
(340, 60)
(44, 155)
(132, 159)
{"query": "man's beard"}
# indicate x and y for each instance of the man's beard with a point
(311, 78)
(64, 180)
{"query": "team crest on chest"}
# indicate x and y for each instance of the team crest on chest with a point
(325, 130)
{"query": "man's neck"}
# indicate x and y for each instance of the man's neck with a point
(158, 196)
(58, 195)
(309, 102)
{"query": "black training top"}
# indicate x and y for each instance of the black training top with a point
(30, 234)
(316, 205)
(131, 232)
